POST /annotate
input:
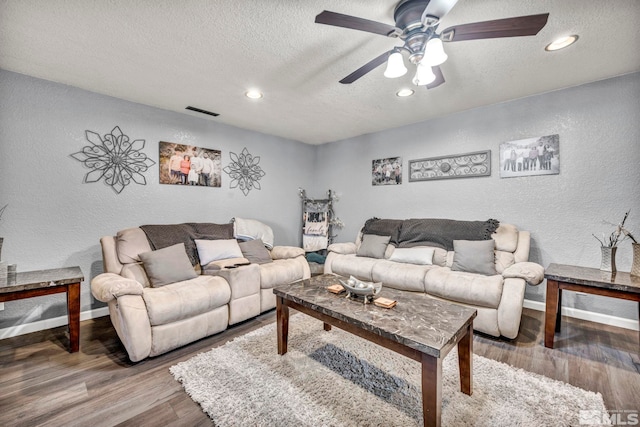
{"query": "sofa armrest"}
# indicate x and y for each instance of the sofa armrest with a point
(531, 272)
(343, 248)
(109, 286)
(286, 252)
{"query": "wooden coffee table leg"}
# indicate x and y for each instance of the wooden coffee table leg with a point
(327, 327)
(551, 313)
(282, 321)
(431, 390)
(465, 361)
(73, 312)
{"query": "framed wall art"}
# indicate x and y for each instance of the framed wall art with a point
(467, 165)
(386, 171)
(182, 164)
(532, 156)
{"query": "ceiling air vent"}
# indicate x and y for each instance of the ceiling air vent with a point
(200, 110)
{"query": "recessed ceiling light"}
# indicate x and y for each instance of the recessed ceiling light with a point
(561, 43)
(403, 93)
(253, 94)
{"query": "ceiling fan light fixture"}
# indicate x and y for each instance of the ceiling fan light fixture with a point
(395, 66)
(434, 52)
(561, 43)
(424, 75)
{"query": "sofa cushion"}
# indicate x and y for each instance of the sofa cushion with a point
(185, 299)
(474, 256)
(167, 265)
(136, 272)
(469, 288)
(280, 272)
(255, 251)
(406, 277)
(506, 238)
(130, 243)
(213, 250)
(417, 255)
(373, 246)
(361, 267)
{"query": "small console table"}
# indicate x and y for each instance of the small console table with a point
(583, 279)
(30, 284)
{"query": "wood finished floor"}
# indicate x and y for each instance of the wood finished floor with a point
(41, 384)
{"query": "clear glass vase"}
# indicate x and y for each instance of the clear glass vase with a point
(608, 258)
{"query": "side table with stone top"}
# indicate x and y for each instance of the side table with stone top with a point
(31, 284)
(583, 279)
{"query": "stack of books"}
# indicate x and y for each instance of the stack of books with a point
(385, 302)
(336, 289)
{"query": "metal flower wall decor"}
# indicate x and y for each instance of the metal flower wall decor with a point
(114, 159)
(244, 171)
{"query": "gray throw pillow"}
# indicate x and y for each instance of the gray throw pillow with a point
(255, 251)
(168, 265)
(373, 246)
(474, 256)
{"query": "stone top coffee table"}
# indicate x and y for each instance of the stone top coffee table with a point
(419, 327)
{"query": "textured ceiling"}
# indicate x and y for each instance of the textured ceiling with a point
(207, 53)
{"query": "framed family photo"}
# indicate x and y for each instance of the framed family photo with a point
(386, 171)
(182, 164)
(531, 156)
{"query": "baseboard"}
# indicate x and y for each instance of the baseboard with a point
(40, 325)
(605, 319)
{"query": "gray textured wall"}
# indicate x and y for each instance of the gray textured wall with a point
(599, 128)
(54, 219)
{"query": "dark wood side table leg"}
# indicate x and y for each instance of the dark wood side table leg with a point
(551, 313)
(282, 321)
(465, 361)
(327, 327)
(73, 311)
(431, 390)
(559, 310)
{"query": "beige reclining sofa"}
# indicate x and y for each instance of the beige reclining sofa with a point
(480, 264)
(161, 298)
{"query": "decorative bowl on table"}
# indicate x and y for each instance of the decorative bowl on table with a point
(355, 287)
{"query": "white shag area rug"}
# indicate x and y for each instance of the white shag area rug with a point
(337, 379)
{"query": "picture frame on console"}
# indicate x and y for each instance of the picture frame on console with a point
(386, 171)
(182, 164)
(531, 156)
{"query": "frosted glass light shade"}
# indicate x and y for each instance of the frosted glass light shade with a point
(434, 53)
(424, 75)
(395, 66)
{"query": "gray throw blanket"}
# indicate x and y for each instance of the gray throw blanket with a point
(162, 236)
(431, 231)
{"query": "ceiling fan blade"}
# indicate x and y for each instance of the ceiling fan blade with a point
(509, 27)
(355, 23)
(369, 66)
(439, 78)
(438, 8)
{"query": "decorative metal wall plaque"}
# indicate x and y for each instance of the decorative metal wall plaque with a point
(457, 166)
(114, 159)
(244, 171)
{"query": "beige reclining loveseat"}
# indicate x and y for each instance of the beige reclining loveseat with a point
(153, 319)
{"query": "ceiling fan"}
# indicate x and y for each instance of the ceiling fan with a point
(416, 22)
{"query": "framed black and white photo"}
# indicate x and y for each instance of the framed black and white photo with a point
(532, 156)
(387, 171)
(183, 164)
